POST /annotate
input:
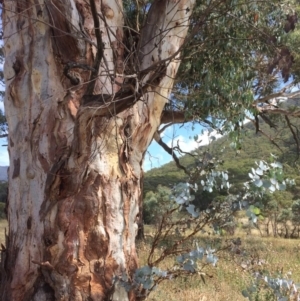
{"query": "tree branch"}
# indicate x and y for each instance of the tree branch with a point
(169, 116)
(170, 151)
(258, 130)
(281, 93)
(274, 110)
(267, 120)
(70, 65)
(294, 135)
(108, 105)
(183, 152)
(161, 130)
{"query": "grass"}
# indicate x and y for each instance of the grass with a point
(226, 280)
(3, 226)
(229, 278)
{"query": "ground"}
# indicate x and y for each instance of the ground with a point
(226, 280)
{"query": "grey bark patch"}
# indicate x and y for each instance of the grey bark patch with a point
(16, 166)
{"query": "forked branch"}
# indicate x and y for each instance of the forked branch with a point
(170, 151)
(295, 136)
(169, 116)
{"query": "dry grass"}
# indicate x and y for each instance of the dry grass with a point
(228, 279)
(3, 225)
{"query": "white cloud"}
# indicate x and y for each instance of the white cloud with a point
(157, 156)
(189, 144)
(208, 137)
(185, 144)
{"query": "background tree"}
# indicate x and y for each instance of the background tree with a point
(3, 125)
(87, 87)
(155, 203)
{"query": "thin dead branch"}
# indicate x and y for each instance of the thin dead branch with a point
(294, 135)
(270, 109)
(170, 151)
(258, 130)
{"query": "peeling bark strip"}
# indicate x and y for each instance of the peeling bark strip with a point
(63, 39)
(74, 183)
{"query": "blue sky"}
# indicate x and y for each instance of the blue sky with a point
(157, 156)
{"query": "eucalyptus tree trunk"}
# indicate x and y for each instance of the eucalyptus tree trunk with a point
(80, 120)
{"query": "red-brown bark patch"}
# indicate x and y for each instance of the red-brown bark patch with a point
(82, 281)
(73, 106)
(64, 45)
(44, 163)
(126, 194)
(118, 51)
(97, 246)
(64, 211)
(98, 291)
(110, 267)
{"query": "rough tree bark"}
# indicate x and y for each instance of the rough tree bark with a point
(76, 158)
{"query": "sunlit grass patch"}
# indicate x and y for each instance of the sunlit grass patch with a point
(3, 225)
(227, 280)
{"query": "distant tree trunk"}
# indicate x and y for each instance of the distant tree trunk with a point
(275, 226)
(76, 158)
(267, 227)
(259, 229)
(286, 226)
(140, 233)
